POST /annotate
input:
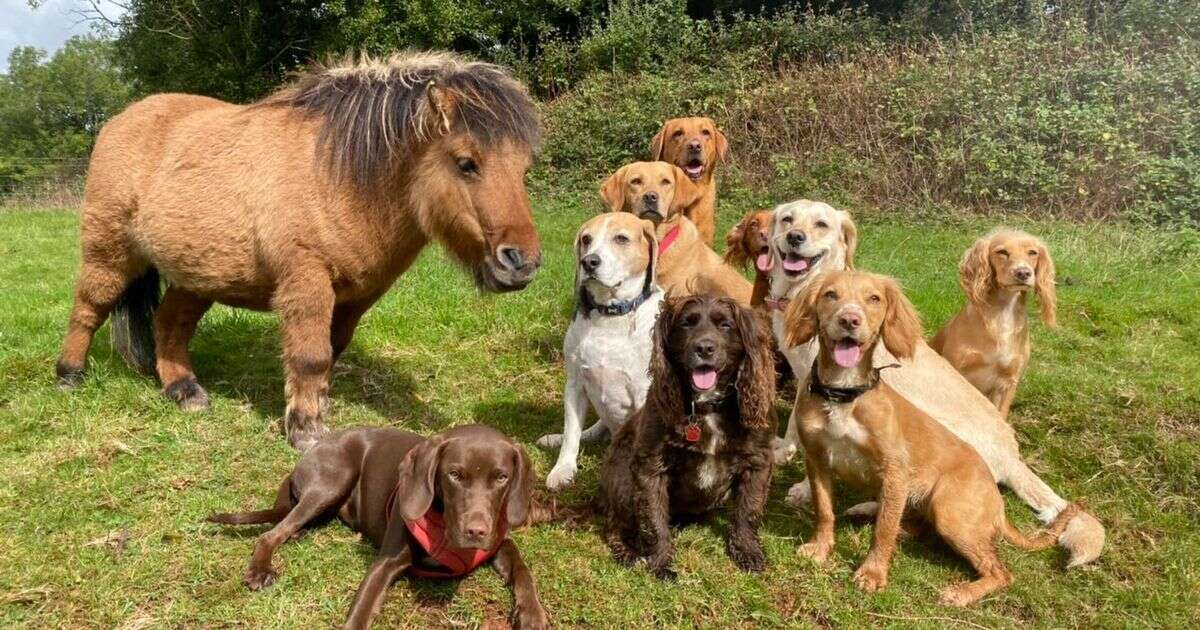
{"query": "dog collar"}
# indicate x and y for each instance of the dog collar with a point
(843, 394)
(429, 531)
(668, 240)
(777, 305)
(692, 430)
(616, 309)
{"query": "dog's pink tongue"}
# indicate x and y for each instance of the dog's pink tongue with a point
(799, 264)
(847, 353)
(694, 170)
(704, 378)
(764, 262)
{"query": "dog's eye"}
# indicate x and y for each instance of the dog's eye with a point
(677, 133)
(831, 295)
(636, 181)
(455, 476)
(666, 182)
(621, 239)
(874, 298)
(822, 224)
(467, 166)
(1033, 252)
(501, 479)
(585, 240)
(1002, 252)
(691, 320)
(786, 220)
(706, 132)
(725, 324)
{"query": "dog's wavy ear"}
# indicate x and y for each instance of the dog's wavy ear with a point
(975, 271)
(519, 501)
(658, 143)
(612, 191)
(722, 144)
(756, 375)
(648, 233)
(687, 192)
(849, 237)
(901, 328)
(665, 398)
(735, 254)
(1044, 285)
(418, 478)
(800, 319)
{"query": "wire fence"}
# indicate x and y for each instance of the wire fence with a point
(41, 181)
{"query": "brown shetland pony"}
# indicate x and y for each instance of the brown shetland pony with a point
(309, 203)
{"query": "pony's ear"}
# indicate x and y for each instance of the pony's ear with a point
(648, 233)
(849, 237)
(1044, 285)
(658, 143)
(687, 192)
(800, 320)
(901, 328)
(520, 491)
(665, 397)
(612, 191)
(444, 104)
(735, 254)
(418, 478)
(975, 271)
(722, 145)
(756, 375)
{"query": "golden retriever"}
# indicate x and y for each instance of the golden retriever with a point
(988, 340)
(858, 428)
(696, 146)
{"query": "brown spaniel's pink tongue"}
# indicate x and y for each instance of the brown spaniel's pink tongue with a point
(847, 353)
(764, 262)
(704, 378)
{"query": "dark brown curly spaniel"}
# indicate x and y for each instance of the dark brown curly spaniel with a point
(702, 439)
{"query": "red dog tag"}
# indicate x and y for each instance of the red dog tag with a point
(693, 433)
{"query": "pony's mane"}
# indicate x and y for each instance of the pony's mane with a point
(376, 110)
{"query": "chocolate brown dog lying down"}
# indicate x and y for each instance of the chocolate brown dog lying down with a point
(453, 497)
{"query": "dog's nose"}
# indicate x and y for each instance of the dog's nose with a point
(650, 197)
(850, 321)
(706, 348)
(1023, 274)
(796, 238)
(476, 532)
(694, 146)
(591, 262)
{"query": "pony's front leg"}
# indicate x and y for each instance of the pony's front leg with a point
(304, 300)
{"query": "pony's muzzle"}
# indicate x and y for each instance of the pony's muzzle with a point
(511, 268)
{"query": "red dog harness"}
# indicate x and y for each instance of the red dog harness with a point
(430, 532)
(668, 239)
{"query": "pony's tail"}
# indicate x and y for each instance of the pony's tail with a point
(133, 322)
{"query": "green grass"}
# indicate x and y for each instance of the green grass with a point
(1109, 413)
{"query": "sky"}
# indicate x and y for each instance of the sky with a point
(46, 27)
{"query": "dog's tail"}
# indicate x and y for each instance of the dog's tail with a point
(133, 322)
(1083, 538)
(1043, 538)
(272, 516)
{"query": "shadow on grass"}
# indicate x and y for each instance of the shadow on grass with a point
(522, 420)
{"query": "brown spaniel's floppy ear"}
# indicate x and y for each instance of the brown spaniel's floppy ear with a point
(1044, 285)
(901, 328)
(735, 253)
(418, 478)
(612, 191)
(800, 320)
(687, 192)
(658, 143)
(665, 398)
(975, 271)
(722, 145)
(520, 489)
(756, 376)
(849, 237)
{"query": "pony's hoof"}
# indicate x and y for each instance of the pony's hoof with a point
(799, 496)
(550, 442)
(69, 377)
(187, 394)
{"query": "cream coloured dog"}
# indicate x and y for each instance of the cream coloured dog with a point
(608, 345)
(808, 237)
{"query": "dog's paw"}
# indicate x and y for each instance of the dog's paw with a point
(783, 451)
(816, 551)
(799, 496)
(866, 509)
(958, 596)
(664, 573)
(258, 578)
(870, 577)
(550, 441)
(561, 476)
(531, 617)
(749, 558)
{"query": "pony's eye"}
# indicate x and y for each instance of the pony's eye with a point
(831, 295)
(636, 181)
(822, 224)
(621, 239)
(586, 240)
(874, 298)
(467, 166)
(677, 133)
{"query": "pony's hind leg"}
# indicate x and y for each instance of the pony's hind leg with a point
(174, 324)
(304, 299)
(103, 278)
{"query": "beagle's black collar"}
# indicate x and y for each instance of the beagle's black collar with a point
(843, 394)
(615, 309)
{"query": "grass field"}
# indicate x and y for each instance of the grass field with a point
(104, 488)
